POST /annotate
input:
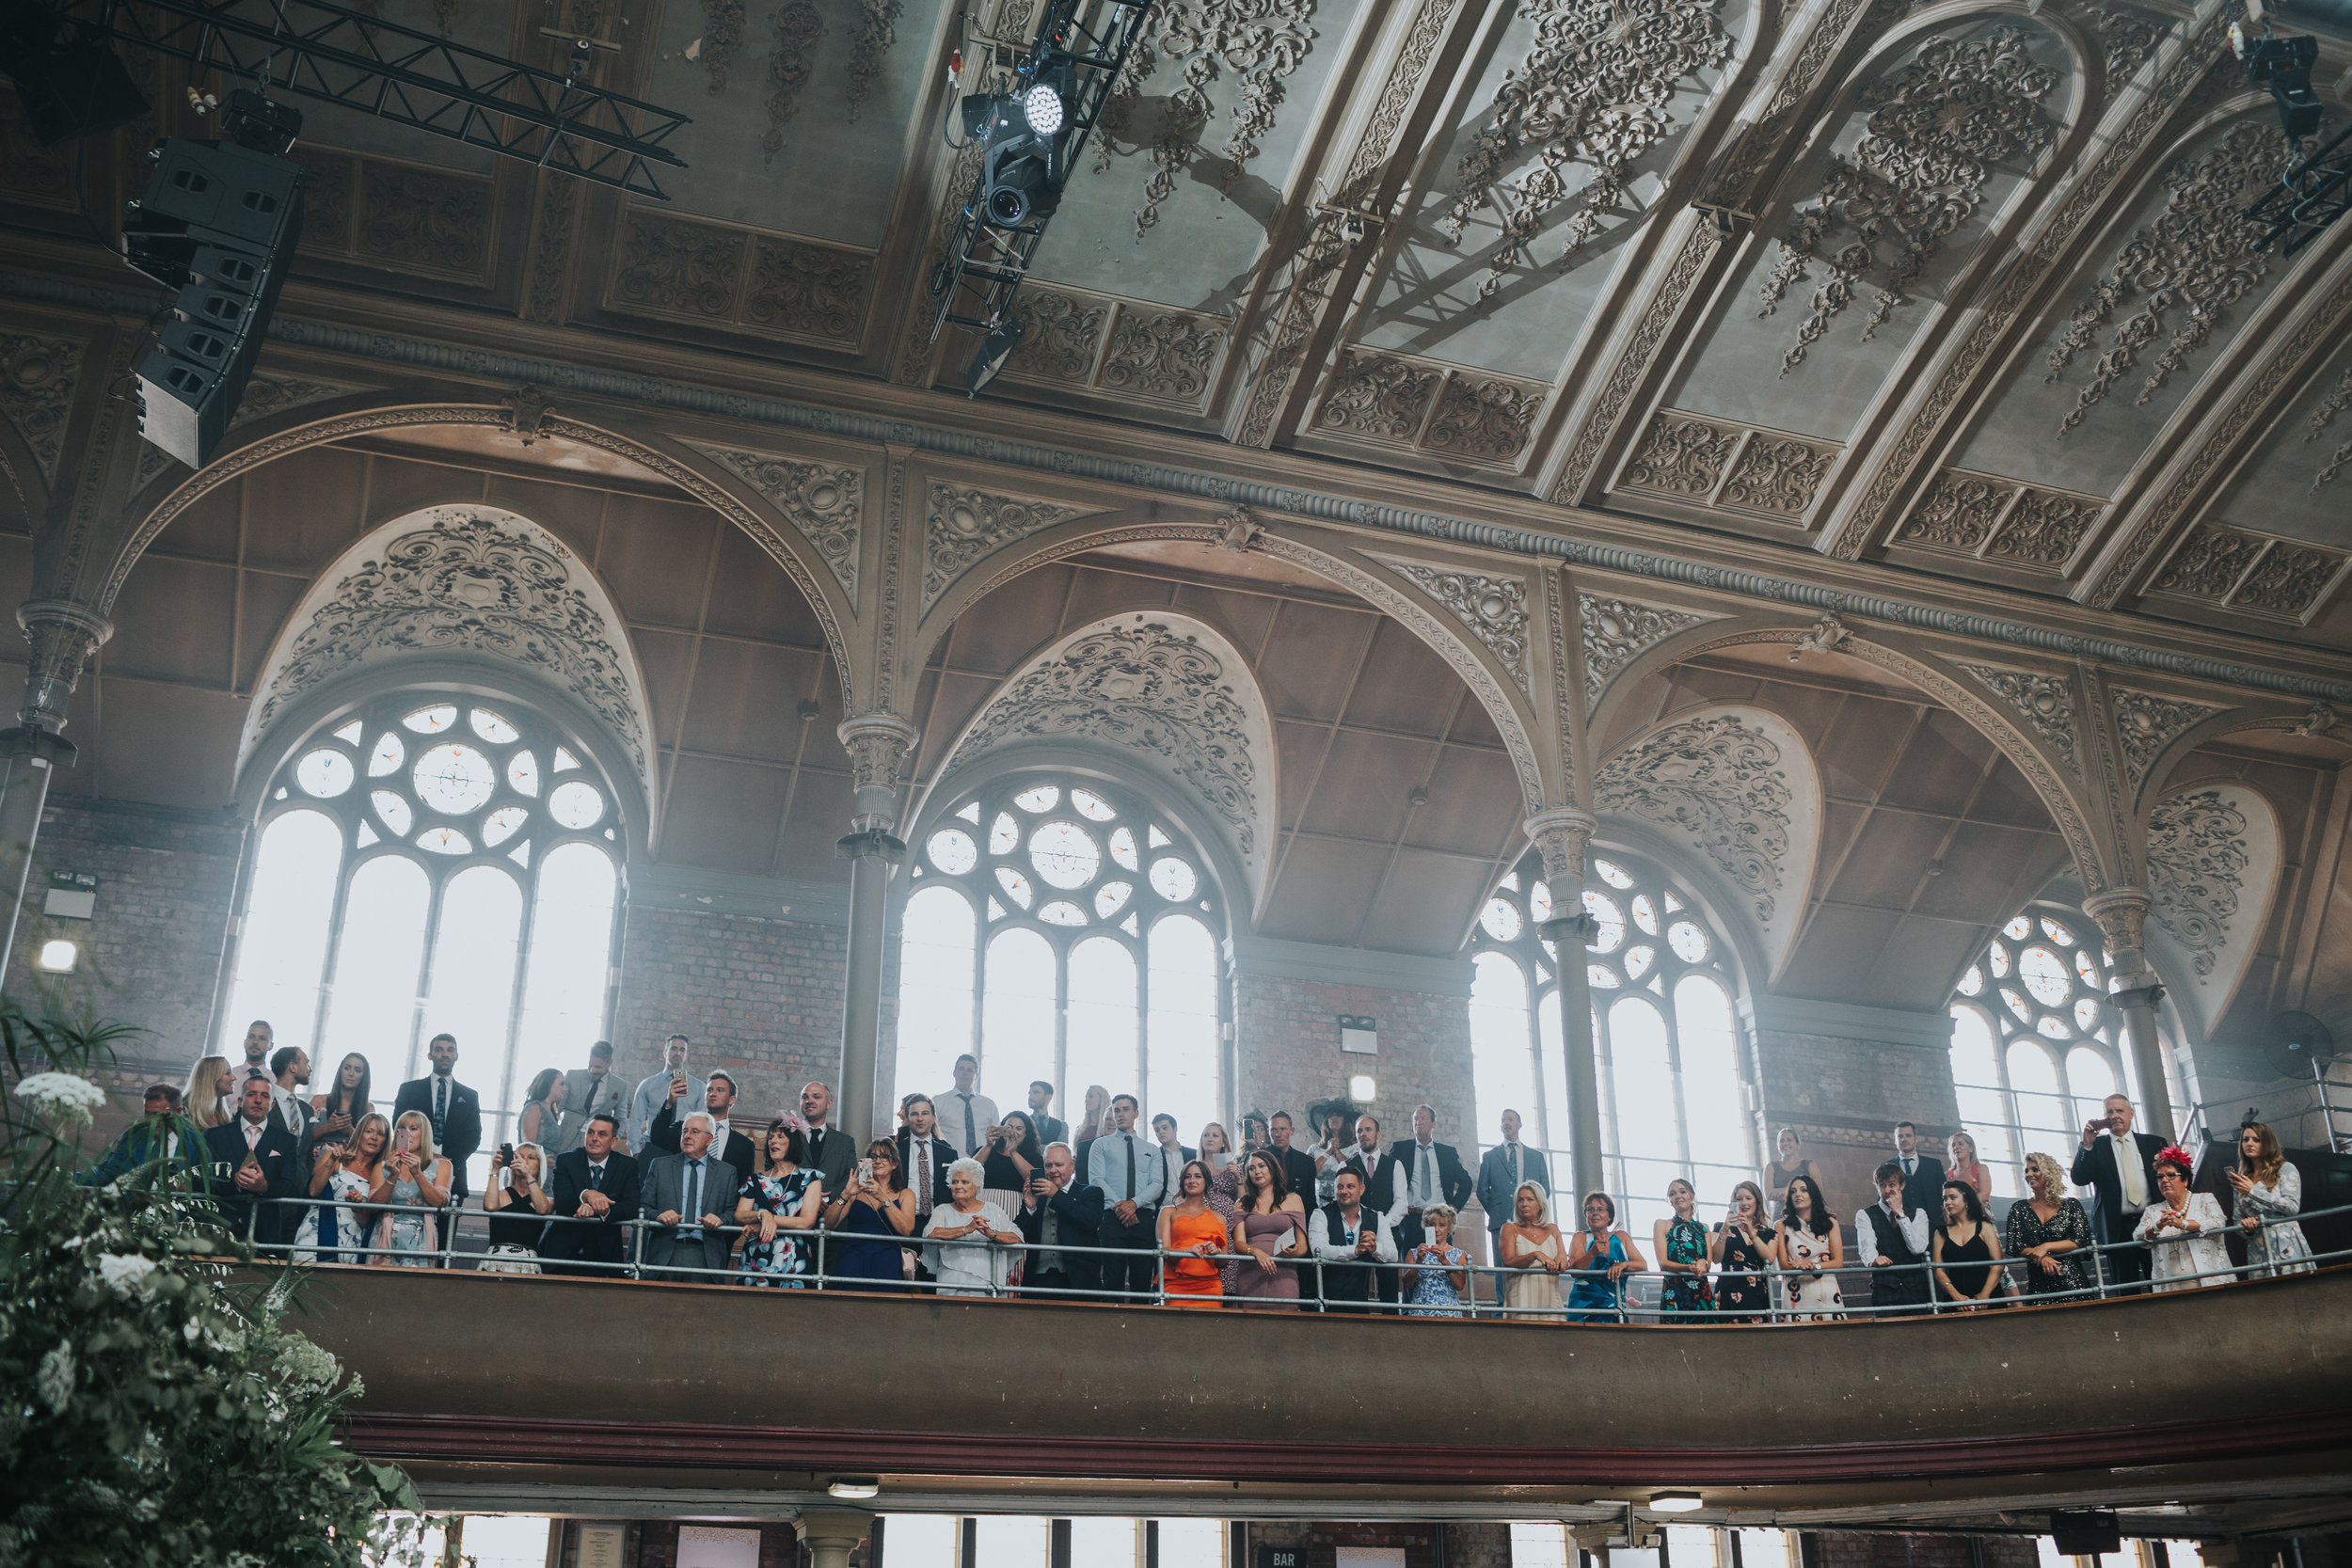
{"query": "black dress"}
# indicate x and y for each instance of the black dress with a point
(1742, 1291)
(1966, 1263)
(516, 1226)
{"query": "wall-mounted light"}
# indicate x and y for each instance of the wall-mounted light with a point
(1675, 1503)
(854, 1488)
(1362, 1089)
(59, 955)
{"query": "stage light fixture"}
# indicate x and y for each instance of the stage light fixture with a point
(994, 350)
(2284, 66)
(1043, 108)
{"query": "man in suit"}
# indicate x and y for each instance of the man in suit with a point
(1383, 1193)
(726, 1140)
(1299, 1167)
(1347, 1235)
(831, 1150)
(692, 1195)
(1058, 1210)
(1123, 1165)
(250, 1161)
(1500, 1173)
(290, 1075)
(2118, 1165)
(454, 1110)
(1171, 1152)
(161, 1135)
(1923, 1174)
(1427, 1172)
(1050, 1129)
(598, 1186)
(588, 1091)
(923, 1157)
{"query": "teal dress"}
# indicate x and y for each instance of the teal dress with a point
(1685, 1293)
(1594, 1297)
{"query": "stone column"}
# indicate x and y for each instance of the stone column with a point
(2122, 913)
(62, 635)
(878, 745)
(829, 1533)
(1560, 835)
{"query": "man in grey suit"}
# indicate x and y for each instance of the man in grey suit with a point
(589, 1092)
(691, 1194)
(1500, 1173)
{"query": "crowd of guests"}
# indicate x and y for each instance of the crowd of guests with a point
(966, 1199)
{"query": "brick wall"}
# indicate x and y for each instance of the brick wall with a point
(1289, 1037)
(1844, 1097)
(761, 997)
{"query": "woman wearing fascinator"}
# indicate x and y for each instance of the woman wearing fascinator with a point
(2184, 1228)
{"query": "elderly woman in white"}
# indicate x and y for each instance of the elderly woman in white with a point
(2186, 1228)
(959, 1253)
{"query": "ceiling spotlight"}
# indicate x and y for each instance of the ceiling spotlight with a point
(2284, 66)
(59, 955)
(994, 350)
(1042, 106)
(855, 1488)
(1675, 1503)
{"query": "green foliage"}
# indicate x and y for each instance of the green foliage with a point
(160, 1410)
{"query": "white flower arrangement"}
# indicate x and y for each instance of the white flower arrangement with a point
(54, 1381)
(128, 1274)
(61, 1094)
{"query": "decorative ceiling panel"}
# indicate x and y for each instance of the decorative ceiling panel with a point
(2298, 480)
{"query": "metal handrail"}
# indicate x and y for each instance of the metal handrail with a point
(1620, 1310)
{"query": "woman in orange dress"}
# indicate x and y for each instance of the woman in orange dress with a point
(1194, 1233)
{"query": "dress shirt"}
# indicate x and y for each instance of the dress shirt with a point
(653, 1092)
(692, 1198)
(252, 1133)
(1340, 1250)
(964, 1121)
(291, 1108)
(1914, 1226)
(1106, 1169)
(1371, 1160)
(2124, 1151)
(1171, 1167)
(595, 1175)
(719, 1132)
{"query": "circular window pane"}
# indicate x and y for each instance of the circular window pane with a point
(1687, 940)
(1111, 899)
(1091, 806)
(1038, 797)
(1998, 958)
(1646, 913)
(432, 721)
(1971, 982)
(2056, 1028)
(1016, 886)
(2087, 1012)
(2018, 929)
(443, 841)
(492, 728)
(1061, 912)
(1604, 908)
(522, 774)
(2045, 975)
(1064, 854)
(1539, 903)
(2084, 967)
(325, 774)
(1003, 834)
(574, 804)
(953, 851)
(1638, 962)
(1173, 879)
(453, 777)
(393, 810)
(388, 756)
(503, 824)
(2057, 932)
(1601, 977)
(1124, 848)
(1502, 919)
(1612, 873)
(2017, 1004)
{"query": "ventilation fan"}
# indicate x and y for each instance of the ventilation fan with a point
(2296, 1045)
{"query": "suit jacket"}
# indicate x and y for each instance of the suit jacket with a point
(738, 1152)
(1078, 1218)
(225, 1150)
(461, 1128)
(1923, 1189)
(152, 1138)
(610, 1095)
(1298, 1169)
(602, 1241)
(1454, 1179)
(1495, 1191)
(2112, 1219)
(835, 1155)
(1050, 1130)
(942, 1155)
(664, 1190)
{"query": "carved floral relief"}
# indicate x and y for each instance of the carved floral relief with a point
(1062, 334)
(1777, 475)
(2045, 702)
(2245, 570)
(1679, 455)
(1493, 608)
(1378, 397)
(1484, 419)
(962, 525)
(680, 268)
(37, 376)
(1617, 631)
(1956, 511)
(1718, 785)
(2197, 859)
(808, 291)
(1164, 356)
(824, 502)
(2146, 723)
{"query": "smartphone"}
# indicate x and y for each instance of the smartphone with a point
(506, 1154)
(865, 1170)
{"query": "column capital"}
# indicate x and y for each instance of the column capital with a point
(61, 634)
(2121, 914)
(877, 744)
(1560, 834)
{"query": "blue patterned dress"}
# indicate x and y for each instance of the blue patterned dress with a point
(1686, 1243)
(1434, 1296)
(781, 1262)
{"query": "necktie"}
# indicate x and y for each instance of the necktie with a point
(2128, 1166)
(595, 1179)
(815, 1146)
(1425, 1166)
(922, 1174)
(1516, 1177)
(1130, 1139)
(1911, 1166)
(252, 1134)
(971, 1131)
(693, 1189)
(441, 1106)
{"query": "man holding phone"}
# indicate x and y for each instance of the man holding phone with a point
(1058, 1210)
(657, 1089)
(2118, 1165)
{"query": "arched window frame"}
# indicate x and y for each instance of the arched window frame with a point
(975, 812)
(1507, 924)
(492, 1068)
(2083, 1019)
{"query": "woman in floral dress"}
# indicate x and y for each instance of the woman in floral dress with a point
(1742, 1248)
(1438, 1271)
(779, 1201)
(2266, 1188)
(1682, 1255)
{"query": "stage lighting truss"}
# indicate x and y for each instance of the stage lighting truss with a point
(2317, 189)
(1032, 128)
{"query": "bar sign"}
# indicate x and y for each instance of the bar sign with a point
(1281, 1557)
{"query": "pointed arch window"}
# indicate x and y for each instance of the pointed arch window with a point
(1056, 927)
(432, 864)
(1674, 1096)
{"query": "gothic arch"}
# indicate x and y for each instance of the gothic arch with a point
(740, 501)
(1449, 623)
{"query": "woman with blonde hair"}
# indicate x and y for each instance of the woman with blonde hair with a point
(2266, 1188)
(1098, 1107)
(415, 1183)
(1966, 1166)
(347, 1174)
(1530, 1243)
(518, 1203)
(209, 1085)
(2049, 1231)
